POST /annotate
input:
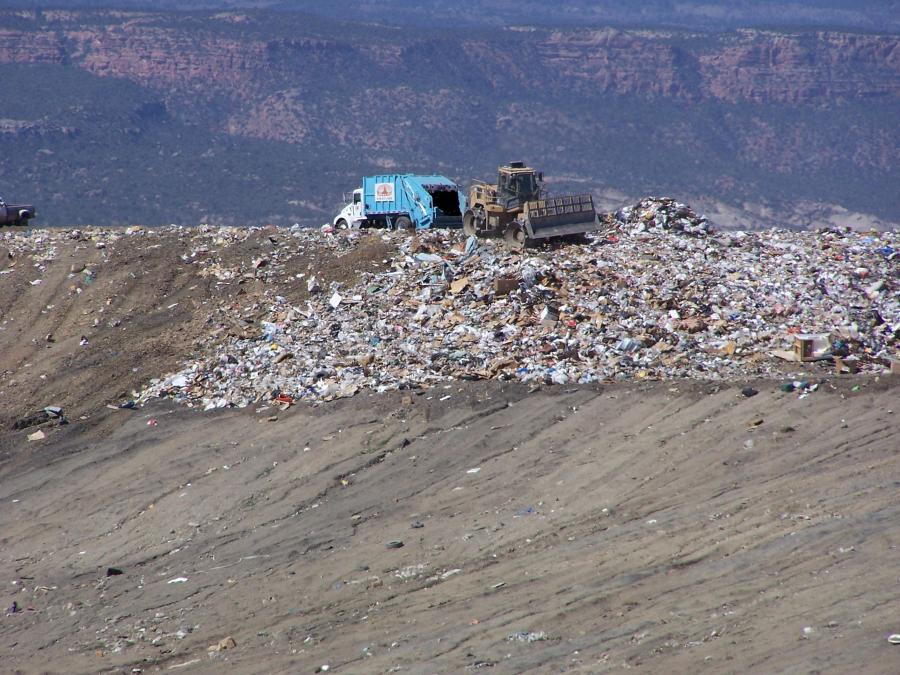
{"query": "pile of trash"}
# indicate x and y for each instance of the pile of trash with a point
(658, 214)
(643, 301)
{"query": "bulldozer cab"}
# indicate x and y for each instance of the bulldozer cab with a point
(518, 184)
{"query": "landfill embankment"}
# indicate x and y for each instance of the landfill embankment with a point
(658, 526)
(272, 450)
(89, 316)
(229, 317)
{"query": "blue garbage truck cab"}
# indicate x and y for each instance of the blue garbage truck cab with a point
(404, 201)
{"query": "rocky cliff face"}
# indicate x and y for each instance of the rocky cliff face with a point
(31, 46)
(806, 68)
(750, 65)
(762, 67)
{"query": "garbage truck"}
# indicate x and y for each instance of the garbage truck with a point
(404, 202)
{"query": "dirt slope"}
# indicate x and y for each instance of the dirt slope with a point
(663, 527)
(143, 299)
(670, 526)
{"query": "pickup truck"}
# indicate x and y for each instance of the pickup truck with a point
(15, 214)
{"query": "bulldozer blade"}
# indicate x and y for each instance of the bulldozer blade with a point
(559, 216)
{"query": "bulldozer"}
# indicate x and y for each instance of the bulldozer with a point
(518, 209)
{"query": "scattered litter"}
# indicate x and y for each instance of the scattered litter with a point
(411, 571)
(185, 664)
(525, 636)
(659, 214)
(222, 645)
(177, 580)
(179, 381)
(46, 414)
(394, 544)
(654, 295)
(812, 347)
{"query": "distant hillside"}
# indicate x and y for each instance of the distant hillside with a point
(879, 15)
(265, 117)
(876, 15)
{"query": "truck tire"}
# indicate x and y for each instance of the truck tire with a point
(342, 224)
(404, 224)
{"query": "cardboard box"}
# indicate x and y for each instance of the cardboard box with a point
(812, 347)
(505, 285)
(845, 365)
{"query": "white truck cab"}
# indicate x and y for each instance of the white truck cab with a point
(352, 215)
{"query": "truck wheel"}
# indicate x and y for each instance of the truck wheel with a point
(404, 224)
(342, 224)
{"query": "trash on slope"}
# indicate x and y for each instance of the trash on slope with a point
(663, 301)
(655, 295)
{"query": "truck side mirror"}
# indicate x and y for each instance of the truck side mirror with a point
(540, 176)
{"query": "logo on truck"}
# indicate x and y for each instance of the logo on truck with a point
(384, 192)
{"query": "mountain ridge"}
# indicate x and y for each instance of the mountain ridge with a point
(744, 117)
(875, 15)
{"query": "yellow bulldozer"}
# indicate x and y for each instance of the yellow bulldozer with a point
(518, 209)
